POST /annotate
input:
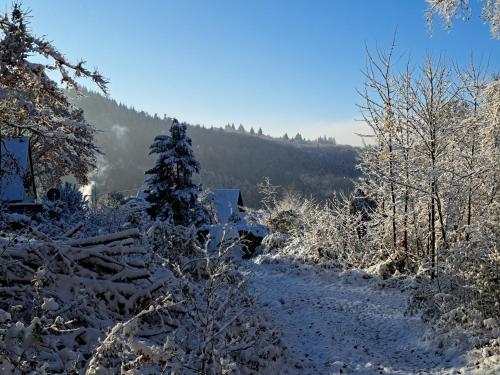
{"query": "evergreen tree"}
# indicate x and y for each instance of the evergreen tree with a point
(252, 132)
(285, 137)
(260, 133)
(171, 192)
(298, 137)
(241, 128)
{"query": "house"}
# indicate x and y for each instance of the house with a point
(227, 203)
(17, 183)
(231, 223)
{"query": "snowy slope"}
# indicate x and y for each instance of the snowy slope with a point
(345, 323)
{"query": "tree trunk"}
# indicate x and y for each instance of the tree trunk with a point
(433, 229)
(393, 195)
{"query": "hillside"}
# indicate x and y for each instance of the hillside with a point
(228, 159)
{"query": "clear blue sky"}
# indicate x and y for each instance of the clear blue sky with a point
(286, 66)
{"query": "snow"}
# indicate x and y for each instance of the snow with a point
(4, 316)
(351, 322)
(226, 203)
(490, 323)
(49, 304)
(13, 217)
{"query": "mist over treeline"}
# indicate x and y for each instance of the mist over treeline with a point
(229, 159)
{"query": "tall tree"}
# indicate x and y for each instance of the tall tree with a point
(436, 113)
(171, 192)
(32, 104)
(472, 82)
(379, 114)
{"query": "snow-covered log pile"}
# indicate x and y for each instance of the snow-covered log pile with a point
(121, 303)
(57, 296)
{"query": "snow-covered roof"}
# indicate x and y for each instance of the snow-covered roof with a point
(226, 203)
(17, 184)
(141, 194)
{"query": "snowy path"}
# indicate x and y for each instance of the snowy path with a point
(335, 323)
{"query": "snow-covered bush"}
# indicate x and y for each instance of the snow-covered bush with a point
(71, 216)
(285, 221)
(70, 205)
(104, 219)
(179, 246)
(113, 199)
(476, 265)
(455, 326)
(206, 326)
(65, 215)
(320, 233)
(274, 242)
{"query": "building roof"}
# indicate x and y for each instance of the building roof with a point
(16, 173)
(226, 203)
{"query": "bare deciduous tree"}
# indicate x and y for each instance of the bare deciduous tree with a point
(448, 9)
(32, 104)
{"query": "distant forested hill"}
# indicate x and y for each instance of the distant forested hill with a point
(228, 159)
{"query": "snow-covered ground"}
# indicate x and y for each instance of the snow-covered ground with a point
(346, 323)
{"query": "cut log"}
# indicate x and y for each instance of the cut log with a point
(104, 239)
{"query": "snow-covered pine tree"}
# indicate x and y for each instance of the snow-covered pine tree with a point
(172, 194)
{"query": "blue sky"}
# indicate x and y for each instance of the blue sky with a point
(285, 66)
